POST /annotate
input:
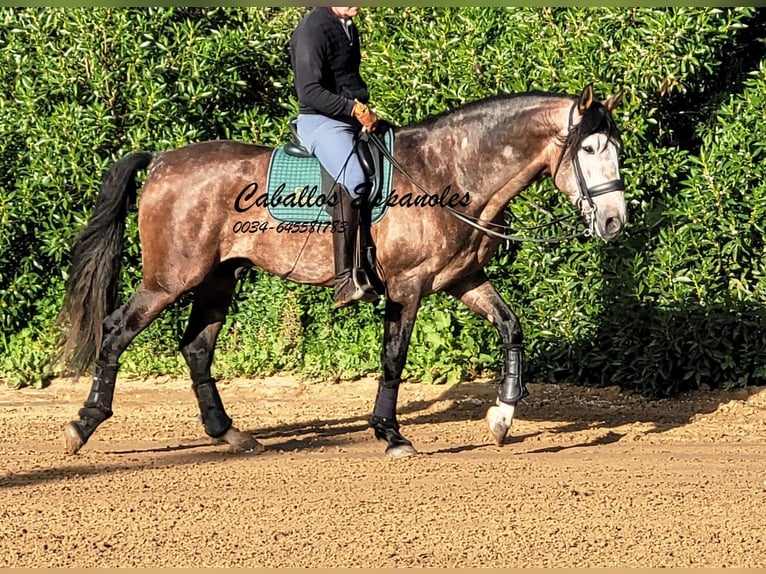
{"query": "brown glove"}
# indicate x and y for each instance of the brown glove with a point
(365, 115)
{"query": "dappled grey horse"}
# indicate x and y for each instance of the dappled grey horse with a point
(485, 153)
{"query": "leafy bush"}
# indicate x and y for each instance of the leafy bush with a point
(676, 304)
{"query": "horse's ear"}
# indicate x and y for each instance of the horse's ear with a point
(612, 102)
(586, 99)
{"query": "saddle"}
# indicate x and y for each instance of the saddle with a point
(371, 160)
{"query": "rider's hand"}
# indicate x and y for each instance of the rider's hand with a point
(365, 115)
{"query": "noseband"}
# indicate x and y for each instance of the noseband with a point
(586, 193)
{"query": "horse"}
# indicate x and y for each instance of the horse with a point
(486, 152)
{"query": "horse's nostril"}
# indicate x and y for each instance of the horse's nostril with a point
(613, 226)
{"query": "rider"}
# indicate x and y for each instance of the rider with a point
(332, 99)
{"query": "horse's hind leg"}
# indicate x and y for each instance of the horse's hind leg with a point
(211, 302)
(119, 329)
(479, 295)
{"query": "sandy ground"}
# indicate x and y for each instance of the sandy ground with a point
(589, 477)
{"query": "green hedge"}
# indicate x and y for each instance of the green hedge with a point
(677, 304)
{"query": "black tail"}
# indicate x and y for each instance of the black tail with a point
(92, 286)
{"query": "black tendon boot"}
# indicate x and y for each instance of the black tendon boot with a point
(512, 386)
(345, 219)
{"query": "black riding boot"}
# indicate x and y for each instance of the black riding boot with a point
(345, 219)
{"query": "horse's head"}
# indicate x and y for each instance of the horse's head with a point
(588, 169)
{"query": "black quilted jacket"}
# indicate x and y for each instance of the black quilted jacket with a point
(326, 65)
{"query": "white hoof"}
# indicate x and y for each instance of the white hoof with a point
(500, 418)
(401, 451)
(73, 440)
(241, 441)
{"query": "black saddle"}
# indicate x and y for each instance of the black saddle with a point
(370, 158)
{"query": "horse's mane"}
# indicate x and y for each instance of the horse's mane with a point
(488, 104)
(597, 118)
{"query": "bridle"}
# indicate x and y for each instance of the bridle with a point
(585, 194)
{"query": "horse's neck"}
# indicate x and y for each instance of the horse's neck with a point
(492, 157)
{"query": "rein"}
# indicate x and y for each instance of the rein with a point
(483, 225)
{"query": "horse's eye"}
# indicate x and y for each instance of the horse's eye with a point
(588, 149)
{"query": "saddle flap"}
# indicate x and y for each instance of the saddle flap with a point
(371, 158)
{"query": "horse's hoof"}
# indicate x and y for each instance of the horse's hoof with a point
(242, 442)
(500, 422)
(401, 451)
(74, 441)
(388, 430)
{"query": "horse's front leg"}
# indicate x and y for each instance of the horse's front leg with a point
(479, 295)
(397, 330)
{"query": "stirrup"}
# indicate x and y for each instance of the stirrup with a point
(362, 255)
(348, 290)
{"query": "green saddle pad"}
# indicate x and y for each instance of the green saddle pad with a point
(295, 190)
